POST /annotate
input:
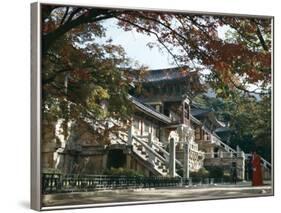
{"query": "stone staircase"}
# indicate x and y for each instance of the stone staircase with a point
(149, 152)
(152, 153)
(232, 153)
(265, 163)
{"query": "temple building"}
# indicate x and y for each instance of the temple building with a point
(169, 135)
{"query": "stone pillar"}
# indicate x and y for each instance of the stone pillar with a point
(238, 149)
(138, 169)
(49, 144)
(243, 165)
(181, 132)
(172, 158)
(130, 135)
(128, 161)
(221, 154)
(186, 161)
(151, 156)
(104, 160)
(211, 151)
(150, 139)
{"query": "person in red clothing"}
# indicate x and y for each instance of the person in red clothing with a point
(256, 173)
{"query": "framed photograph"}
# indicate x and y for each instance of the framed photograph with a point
(141, 106)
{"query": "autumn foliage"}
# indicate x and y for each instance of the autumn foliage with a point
(80, 74)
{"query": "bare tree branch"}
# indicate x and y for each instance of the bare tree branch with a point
(64, 16)
(93, 15)
(259, 34)
(72, 14)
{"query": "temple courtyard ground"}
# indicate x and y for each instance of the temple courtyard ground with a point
(199, 192)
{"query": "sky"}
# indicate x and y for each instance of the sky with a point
(135, 45)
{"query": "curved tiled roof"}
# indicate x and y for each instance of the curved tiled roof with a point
(149, 110)
(167, 74)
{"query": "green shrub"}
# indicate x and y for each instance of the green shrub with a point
(122, 172)
(227, 177)
(201, 173)
(216, 172)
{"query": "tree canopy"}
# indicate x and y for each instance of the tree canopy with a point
(80, 74)
(191, 39)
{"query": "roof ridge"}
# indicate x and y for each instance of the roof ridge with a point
(170, 68)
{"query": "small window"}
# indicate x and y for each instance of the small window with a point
(164, 90)
(216, 152)
(197, 133)
(177, 89)
(170, 90)
(186, 111)
(166, 112)
(207, 136)
(158, 107)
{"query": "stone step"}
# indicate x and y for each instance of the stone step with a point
(157, 160)
(143, 153)
(139, 147)
(162, 166)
